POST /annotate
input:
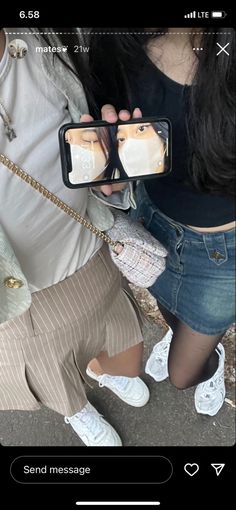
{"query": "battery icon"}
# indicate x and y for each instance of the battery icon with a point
(218, 14)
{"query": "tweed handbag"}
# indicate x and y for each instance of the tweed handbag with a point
(137, 254)
(140, 257)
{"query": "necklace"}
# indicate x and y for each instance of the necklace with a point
(9, 131)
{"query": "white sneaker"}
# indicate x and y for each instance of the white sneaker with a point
(92, 429)
(209, 396)
(131, 390)
(157, 363)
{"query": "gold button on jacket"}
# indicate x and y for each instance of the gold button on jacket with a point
(13, 283)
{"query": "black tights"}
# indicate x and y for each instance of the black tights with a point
(192, 357)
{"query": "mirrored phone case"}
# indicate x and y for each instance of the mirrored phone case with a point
(96, 152)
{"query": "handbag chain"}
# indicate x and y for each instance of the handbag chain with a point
(55, 200)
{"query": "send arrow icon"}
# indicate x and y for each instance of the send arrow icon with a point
(218, 468)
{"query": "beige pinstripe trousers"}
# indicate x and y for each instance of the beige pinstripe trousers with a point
(45, 351)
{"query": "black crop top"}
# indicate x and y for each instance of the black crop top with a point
(156, 94)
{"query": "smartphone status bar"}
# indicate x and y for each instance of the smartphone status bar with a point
(166, 17)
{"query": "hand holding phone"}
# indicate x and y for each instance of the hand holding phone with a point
(97, 152)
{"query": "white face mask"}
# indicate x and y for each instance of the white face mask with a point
(141, 157)
(86, 164)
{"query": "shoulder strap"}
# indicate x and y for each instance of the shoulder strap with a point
(55, 200)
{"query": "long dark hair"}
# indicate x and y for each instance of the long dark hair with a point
(75, 61)
(115, 58)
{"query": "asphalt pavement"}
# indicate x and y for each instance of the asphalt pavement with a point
(169, 418)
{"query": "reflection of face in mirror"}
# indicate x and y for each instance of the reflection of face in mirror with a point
(143, 147)
(89, 153)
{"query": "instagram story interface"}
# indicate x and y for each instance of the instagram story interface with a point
(117, 260)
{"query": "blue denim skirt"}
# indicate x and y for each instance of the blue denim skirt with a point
(198, 284)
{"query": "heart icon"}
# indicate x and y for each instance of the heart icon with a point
(191, 469)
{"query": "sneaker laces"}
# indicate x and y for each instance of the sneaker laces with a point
(89, 420)
(119, 382)
(161, 351)
(212, 385)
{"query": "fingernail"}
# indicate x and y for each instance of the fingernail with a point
(111, 115)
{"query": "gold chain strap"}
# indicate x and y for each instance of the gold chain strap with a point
(55, 200)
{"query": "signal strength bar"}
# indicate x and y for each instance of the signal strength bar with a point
(190, 15)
